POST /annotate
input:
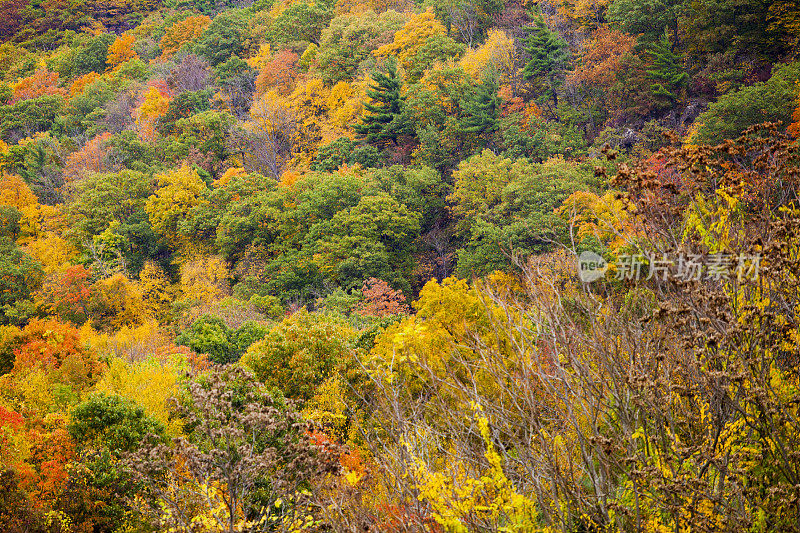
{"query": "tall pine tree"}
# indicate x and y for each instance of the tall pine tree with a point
(548, 52)
(667, 73)
(482, 108)
(383, 123)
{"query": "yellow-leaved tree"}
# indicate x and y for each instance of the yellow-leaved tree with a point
(407, 42)
(496, 54)
(155, 105)
(156, 290)
(205, 279)
(149, 384)
(178, 192)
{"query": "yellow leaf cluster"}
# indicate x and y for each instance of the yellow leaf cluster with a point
(178, 192)
(147, 383)
(607, 218)
(205, 279)
(51, 251)
(496, 54)
(492, 497)
(411, 37)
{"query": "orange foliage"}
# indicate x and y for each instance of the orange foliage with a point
(40, 83)
(48, 343)
(381, 300)
(66, 294)
(81, 82)
(155, 105)
(279, 73)
(510, 103)
(88, 159)
(183, 32)
(602, 58)
(120, 51)
(51, 452)
(794, 127)
(10, 418)
(16, 193)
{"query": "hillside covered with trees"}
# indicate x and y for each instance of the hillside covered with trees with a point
(379, 266)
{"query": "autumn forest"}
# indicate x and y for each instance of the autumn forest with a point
(399, 266)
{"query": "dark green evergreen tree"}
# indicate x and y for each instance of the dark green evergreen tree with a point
(667, 73)
(482, 109)
(548, 52)
(383, 123)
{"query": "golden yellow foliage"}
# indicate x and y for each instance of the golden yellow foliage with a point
(116, 302)
(178, 192)
(14, 192)
(147, 383)
(309, 103)
(587, 14)
(205, 279)
(496, 54)
(51, 251)
(233, 172)
(262, 56)
(156, 290)
(81, 82)
(346, 101)
(458, 498)
(154, 106)
(411, 37)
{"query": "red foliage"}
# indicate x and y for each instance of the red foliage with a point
(9, 418)
(46, 475)
(381, 300)
(794, 127)
(67, 293)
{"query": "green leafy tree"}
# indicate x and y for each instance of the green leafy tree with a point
(24, 118)
(649, 18)
(112, 423)
(20, 277)
(104, 428)
(505, 207)
(10, 218)
(372, 239)
(349, 41)
(772, 100)
(438, 48)
(182, 106)
(211, 336)
(302, 21)
(343, 150)
(237, 81)
(301, 352)
(224, 38)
